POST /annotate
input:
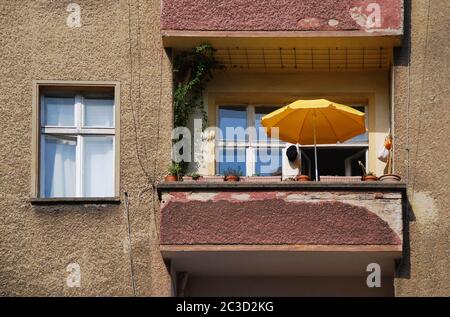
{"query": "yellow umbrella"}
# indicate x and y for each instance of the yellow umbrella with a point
(315, 122)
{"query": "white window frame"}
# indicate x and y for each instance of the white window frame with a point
(80, 132)
(251, 144)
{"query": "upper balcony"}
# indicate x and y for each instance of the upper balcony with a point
(287, 22)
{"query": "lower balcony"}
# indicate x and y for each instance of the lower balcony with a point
(280, 238)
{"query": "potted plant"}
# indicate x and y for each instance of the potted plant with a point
(370, 177)
(192, 176)
(174, 170)
(232, 175)
(303, 178)
(367, 176)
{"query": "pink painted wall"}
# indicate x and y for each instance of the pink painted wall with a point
(281, 15)
(265, 218)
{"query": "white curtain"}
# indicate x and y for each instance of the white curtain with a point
(59, 111)
(98, 166)
(99, 113)
(59, 170)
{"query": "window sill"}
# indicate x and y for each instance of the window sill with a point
(76, 201)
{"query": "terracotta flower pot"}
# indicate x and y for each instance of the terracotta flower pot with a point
(390, 178)
(370, 178)
(171, 178)
(303, 178)
(231, 178)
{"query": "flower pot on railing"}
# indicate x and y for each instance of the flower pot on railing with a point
(171, 178)
(231, 178)
(232, 175)
(389, 178)
(303, 178)
(369, 178)
(174, 170)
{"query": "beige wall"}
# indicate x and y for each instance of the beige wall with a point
(422, 147)
(38, 242)
(371, 88)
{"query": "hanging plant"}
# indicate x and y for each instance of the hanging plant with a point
(192, 71)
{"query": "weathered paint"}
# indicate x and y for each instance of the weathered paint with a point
(269, 217)
(283, 15)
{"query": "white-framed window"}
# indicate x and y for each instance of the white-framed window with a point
(77, 145)
(254, 154)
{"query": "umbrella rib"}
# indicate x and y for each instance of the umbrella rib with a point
(331, 126)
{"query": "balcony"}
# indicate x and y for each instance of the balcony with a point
(288, 23)
(281, 228)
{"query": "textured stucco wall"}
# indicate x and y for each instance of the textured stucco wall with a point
(280, 15)
(268, 217)
(38, 242)
(422, 148)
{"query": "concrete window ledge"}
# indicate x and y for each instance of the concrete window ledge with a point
(76, 201)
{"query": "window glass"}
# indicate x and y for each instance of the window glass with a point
(98, 166)
(233, 122)
(268, 162)
(260, 131)
(59, 171)
(362, 138)
(59, 111)
(232, 158)
(99, 113)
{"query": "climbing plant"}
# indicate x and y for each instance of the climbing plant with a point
(192, 71)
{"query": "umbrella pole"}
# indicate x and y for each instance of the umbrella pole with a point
(315, 148)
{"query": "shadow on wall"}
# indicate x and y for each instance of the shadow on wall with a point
(403, 266)
(402, 56)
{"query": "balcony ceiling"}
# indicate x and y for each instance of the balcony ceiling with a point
(278, 263)
(305, 59)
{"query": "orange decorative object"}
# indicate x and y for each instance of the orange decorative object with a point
(388, 143)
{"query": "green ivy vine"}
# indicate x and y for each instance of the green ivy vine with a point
(192, 71)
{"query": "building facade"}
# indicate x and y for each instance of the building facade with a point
(87, 116)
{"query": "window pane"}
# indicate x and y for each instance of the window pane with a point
(231, 158)
(362, 138)
(99, 113)
(98, 166)
(59, 111)
(268, 162)
(58, 167)
(334, 161)
(232, 117)
(260, 131)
